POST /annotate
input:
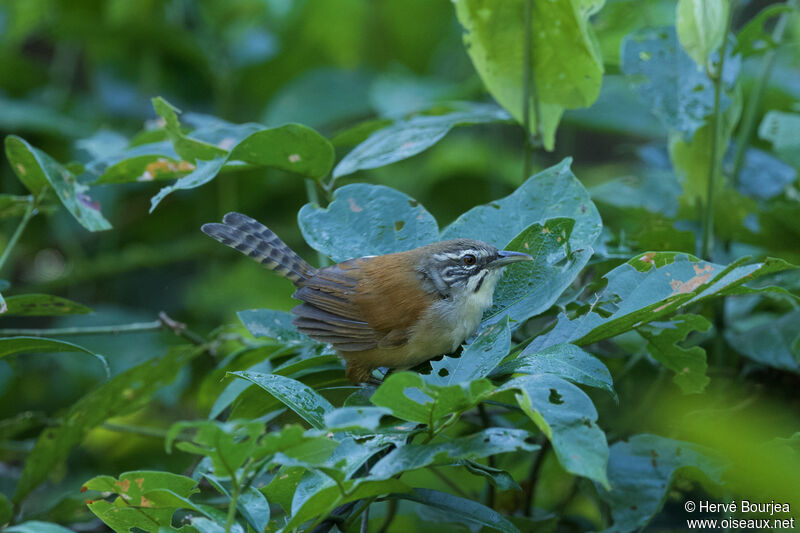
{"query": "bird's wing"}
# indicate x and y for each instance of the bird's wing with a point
(360, 304)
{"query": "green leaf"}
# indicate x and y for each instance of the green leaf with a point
(145, 500)
(701, 27)
(292, 147)
(367, 220)
(565, 56)
(767, 339)
(6, 512)
(18, 345)
(123, 394)
(355, 417)
(273, 324)
(13, 206)
(641, 471)
(227, 444)
(477, 359)
(255, 508)
(466, 511)
(410, 398)
(188, 149)
(688, 364)
(783, 131)
(300, 398)
(37, 171)
(407, 138)
(42, 305)
(649, 287)
(491, 441)
(567, 416)
(754, 38)
(36, 526)
(497, 477)
(555, 192)
(566, 361)
(531, 287)
(665, 77)
(205, 172)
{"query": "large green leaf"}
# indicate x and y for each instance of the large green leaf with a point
(272, 324)
(768, 339)
(688, 364)
(648, 288)
(37, 526)
(701, 27)
(188, 149)
(680, 94)
(38, 171)
(531, 287)
(564, 54)
(123, 394)
(42, 305)
(367, 220)
(567, 416)
(412, 399)
(553, 193)
(641, 471)
(407, 138)
(783, 131)
(461, 509)
(491, 441)
(18, 345)
(565, 361)
(478, 358)
(300, 398)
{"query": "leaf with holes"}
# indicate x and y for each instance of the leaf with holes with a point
(367, 219)
(688, 364)
(641, 470)
(406, 138)
(477, 359)
(566, 361)
(123, 394)
(552, 193)
(567, 416)
(38, 171)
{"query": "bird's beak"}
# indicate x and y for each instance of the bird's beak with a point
(504, 258)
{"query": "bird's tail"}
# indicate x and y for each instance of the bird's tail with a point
(259, 242)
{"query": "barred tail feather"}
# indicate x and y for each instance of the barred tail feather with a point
(257, 241)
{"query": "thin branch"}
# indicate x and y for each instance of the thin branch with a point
(135, 327)
(716, 144)
(391, 512)
(533, 477)
(12, 242)
(180, 329)
(754, 101)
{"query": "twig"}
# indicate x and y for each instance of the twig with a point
(490, 492)
(135, 327)
(391, 512)
(751, 109)
(179, 329)
(533, 477)
(12, 242)
(716, 144)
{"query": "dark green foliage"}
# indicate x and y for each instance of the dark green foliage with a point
(655, 189)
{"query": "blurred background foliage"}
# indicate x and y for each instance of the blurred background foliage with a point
(71, 69)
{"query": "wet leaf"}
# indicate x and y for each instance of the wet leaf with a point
(38, 171)
(123, 394)
(491, 441)
(688, 364)
(18, 345)
(553, 193)
(273, 324)
(367, 220)
(565, 56)
(406, 138)
(567, 416)
(42, 305)
(566, 361)
(642, 469)
(477, 359)
(300, 398)
(355, 417)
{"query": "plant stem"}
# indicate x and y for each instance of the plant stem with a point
(716, 145)
(533, 477)
(390, 514)
(134, 327)
(365, 521)
(12, 242)
(751, 110)
(529, 90)
(490, 491)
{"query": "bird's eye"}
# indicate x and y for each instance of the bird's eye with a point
(469, 259)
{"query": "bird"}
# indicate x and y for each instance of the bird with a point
(395, 310)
